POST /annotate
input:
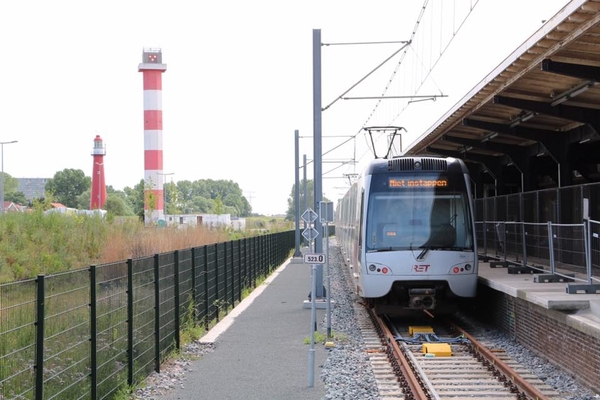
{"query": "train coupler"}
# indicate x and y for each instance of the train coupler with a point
(422, 299)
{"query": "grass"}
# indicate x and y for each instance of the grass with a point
(268, 224)
(322, 338)
(34, 243)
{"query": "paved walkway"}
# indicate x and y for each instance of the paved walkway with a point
(259, 351)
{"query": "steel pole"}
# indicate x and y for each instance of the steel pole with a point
(297, 252)
(318, 152)
(305, 187)
(313, 324)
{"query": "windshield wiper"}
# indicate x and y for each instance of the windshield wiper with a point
(426, 250)
(381, 249)
(426, 247)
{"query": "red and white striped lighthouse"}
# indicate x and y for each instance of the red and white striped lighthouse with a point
(152, 68)
(98, 197)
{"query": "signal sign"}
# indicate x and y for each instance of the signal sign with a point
(309, 216)
(310, 234)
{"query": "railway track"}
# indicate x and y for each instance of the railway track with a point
(405, 369)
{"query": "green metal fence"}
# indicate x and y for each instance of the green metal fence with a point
(85, 334)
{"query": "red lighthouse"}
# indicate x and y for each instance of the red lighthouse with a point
(152, 68)
(98, 197)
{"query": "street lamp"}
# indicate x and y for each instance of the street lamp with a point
(164, 191)
(2, 175)
(99, 185)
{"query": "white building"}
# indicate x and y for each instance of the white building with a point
(208, 220)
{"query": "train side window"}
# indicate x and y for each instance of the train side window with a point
(360, 225)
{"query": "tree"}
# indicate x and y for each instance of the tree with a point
(290, 214)
(171, 198)
(117, 205)
(210, 196)
(10, 190)
(198, 204)
(16, 197)
(67, 185)
(83, 200)
(219, 206)
(10, 184)
(135, 198)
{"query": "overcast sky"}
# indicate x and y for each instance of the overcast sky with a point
(238, 82)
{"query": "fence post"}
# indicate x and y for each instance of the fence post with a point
(225, 272)
(485, 238)
(232, 275)
(264, 268)
(39, 345)
(485, 232)
(551, 247)
(243, 270)
(217, 297)
(177, 301)
(252, 261)
(587, 236)
(129, 322)
(156, 315)
(504, 243)
(524, 238)
(195, 316)
(239, 267)
(206, 307)
(93, 334)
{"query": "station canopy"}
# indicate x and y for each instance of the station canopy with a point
(540, 108)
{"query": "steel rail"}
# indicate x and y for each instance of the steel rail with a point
(511, 374)
(413, 383)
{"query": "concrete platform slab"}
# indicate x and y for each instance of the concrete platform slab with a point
(581, 311)
(550, 295)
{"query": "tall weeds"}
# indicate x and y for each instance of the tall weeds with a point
(34, 243)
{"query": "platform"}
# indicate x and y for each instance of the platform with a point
(260, 351)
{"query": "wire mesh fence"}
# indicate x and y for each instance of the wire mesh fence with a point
(552, 230)
(90, 332)
(17, 339)
(594, 251)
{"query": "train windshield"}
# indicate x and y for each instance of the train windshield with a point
(418, 211)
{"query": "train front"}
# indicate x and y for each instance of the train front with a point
(418, 249)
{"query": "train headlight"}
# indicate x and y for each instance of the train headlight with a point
(468, 267)
(372, 267)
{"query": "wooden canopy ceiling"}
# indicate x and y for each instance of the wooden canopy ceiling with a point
(542, 101)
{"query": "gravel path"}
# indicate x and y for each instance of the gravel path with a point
(347, 373)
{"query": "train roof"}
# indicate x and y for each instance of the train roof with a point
(416, 163)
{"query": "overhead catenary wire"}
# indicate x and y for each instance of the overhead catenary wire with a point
(455, 31)
(412, 40)
(367, 75)
(421, 37)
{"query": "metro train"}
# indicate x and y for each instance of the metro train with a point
(406, 229)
